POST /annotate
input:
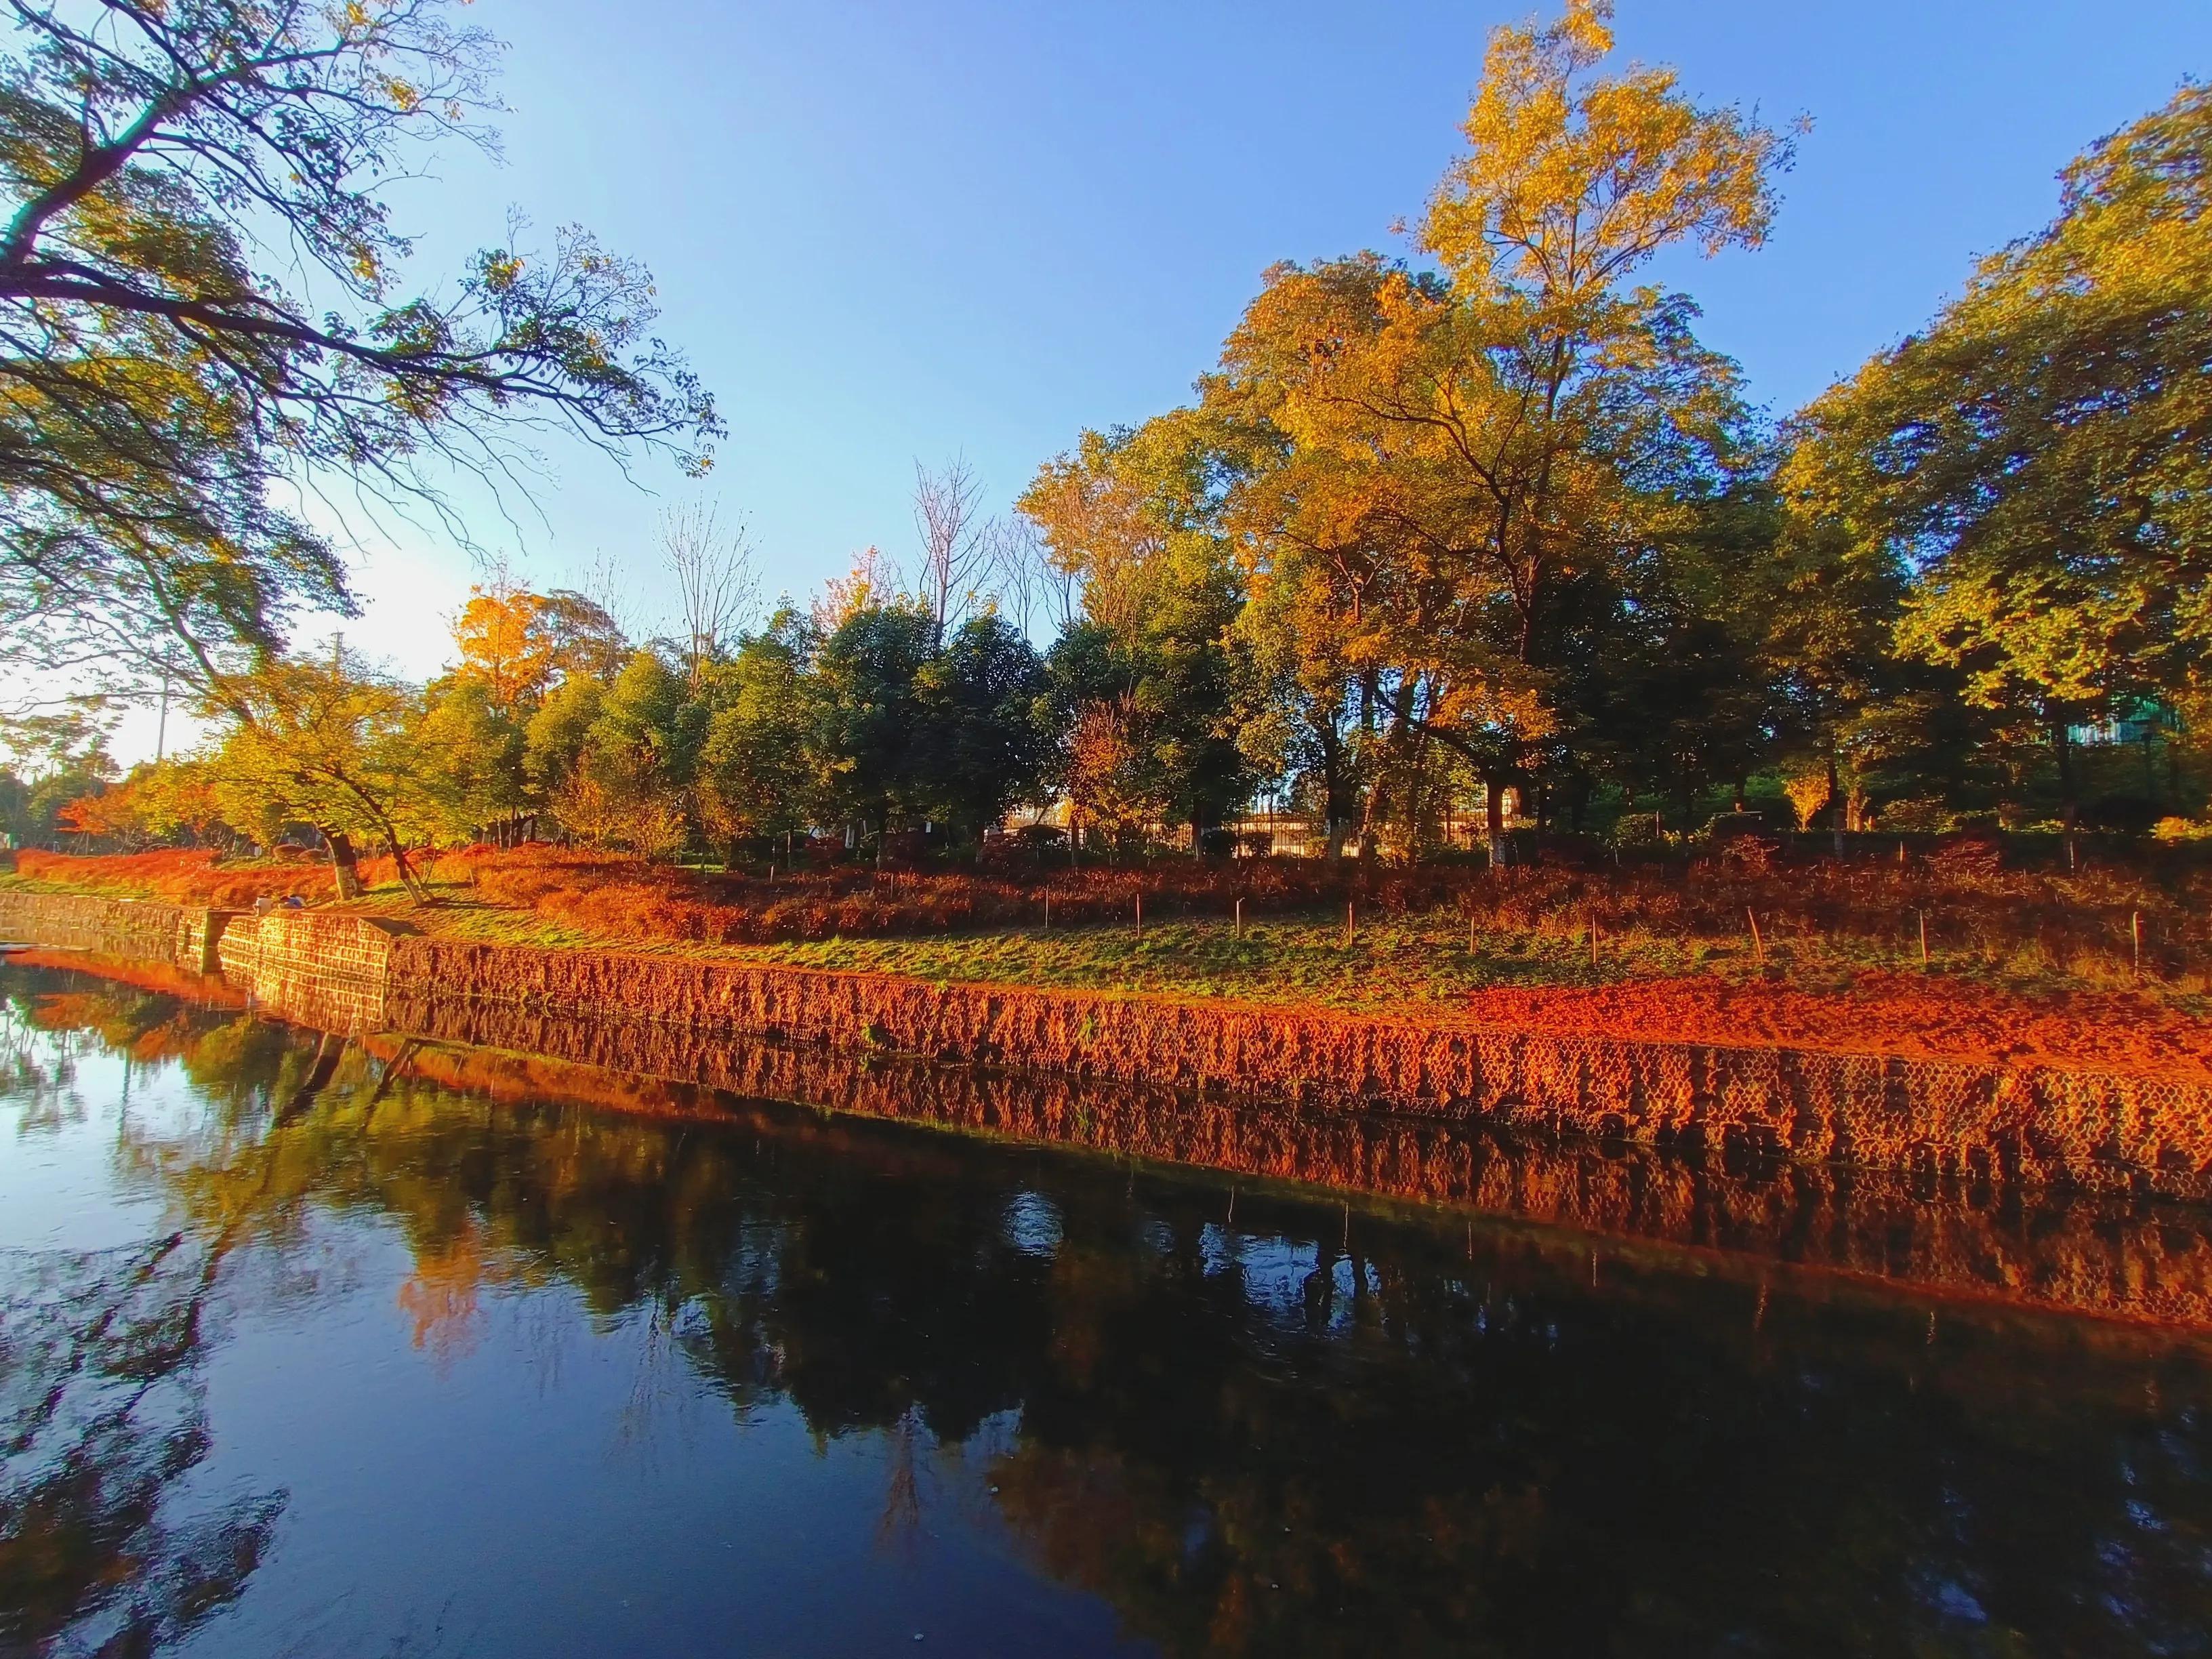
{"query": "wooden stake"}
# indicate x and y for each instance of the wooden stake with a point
(1047, 910)
(1923, 941)
(1348, 921)
(1141, 915)
(1757, 945)
(1470, 932)
(2135, 931)
(1593, 938)
(1240, 918)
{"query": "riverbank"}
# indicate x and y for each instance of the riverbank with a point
(2129, 1120)
(426, 1264)
(1531, 953)
(1613, 1209)
(1304, 933)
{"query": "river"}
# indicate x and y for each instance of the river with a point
(322, 1348)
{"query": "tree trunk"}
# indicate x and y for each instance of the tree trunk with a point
(1836, 802)
(345, 870)
(2069, 794)
(1336, 809)
(405, 872)
(1494, 813)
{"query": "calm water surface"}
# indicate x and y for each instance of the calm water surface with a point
(393, 1366)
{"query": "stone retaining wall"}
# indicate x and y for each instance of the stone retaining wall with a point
(138, 930)
(2036, 1125)
(331, 971)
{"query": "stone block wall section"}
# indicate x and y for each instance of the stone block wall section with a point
(134, 930)
(2034, 1124)
(331, 971)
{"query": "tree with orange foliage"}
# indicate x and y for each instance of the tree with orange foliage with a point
(518, 644)
(503, 644)
(1109, 789)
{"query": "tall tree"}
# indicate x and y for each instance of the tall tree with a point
(877, 739)
(716, 587)
(958, 544)
(1466, 450)
(762, 768)
(468, 755)
(158, 161)
(1137, 515)
(632, 780)
(984, 699)
(2039, 459)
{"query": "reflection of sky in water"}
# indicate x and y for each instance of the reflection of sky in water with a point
(511, 1469)
(567, 1484)
(60, 1118)
(1033, 1224)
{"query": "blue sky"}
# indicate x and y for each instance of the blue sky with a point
(885, 231)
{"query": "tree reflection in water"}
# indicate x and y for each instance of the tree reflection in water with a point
(1314, 1428)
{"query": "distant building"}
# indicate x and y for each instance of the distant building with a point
(2133, 720)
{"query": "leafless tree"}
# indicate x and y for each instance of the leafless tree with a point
(1031, 587)
(717, 588)
(608, 585)
(956, 546)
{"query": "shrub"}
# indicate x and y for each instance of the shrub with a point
(1922, 818)
(195, 876)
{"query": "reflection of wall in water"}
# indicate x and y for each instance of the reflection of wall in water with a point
(2106, 1254)
(2037, 1124)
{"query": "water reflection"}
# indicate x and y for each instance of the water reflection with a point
(2106, 1253)
(1233, 1419)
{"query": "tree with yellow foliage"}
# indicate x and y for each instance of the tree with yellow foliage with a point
(1473, 458)
(325, 741)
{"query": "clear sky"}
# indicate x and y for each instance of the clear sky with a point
(886, 232)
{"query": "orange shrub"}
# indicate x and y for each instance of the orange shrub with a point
(1968, 905)
(2068, 919)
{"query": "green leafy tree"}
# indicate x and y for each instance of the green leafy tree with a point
(470, 761)
(881, 747)
(553, 738)
(984, 699)
(158, 160)
(2039, 458)
(761, 768)
(632, 780)
(328, 742)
